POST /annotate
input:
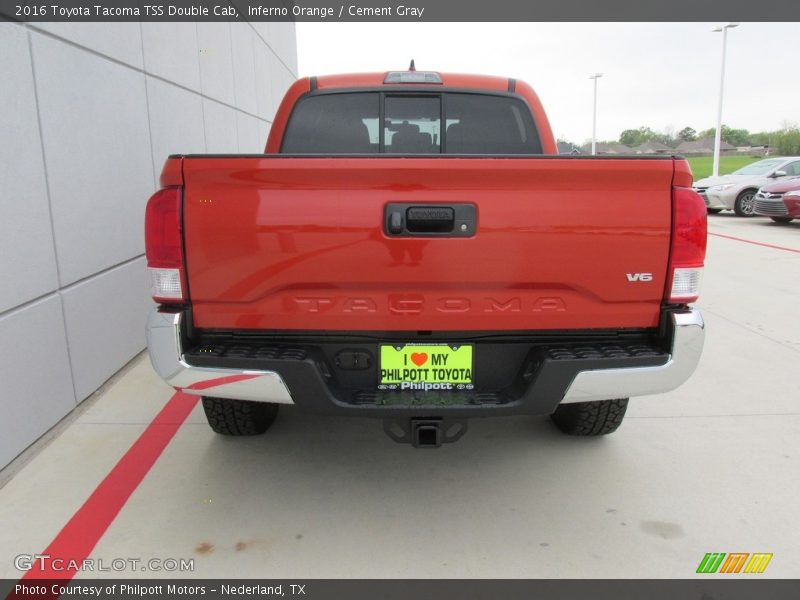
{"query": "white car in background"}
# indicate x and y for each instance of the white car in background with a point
(737, 191)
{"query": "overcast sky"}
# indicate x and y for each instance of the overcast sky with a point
(660, 75)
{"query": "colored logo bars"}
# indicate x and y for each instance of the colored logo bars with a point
(736, 562)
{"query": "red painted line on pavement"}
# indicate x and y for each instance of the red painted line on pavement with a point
(730, 237)
(204, 385)
(82, 532)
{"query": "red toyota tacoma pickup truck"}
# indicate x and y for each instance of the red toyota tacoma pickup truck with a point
(410, 247)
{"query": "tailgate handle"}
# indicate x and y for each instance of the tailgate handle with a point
(433, 219)
(415, 220)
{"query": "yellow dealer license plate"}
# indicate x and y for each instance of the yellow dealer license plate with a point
(426, 367)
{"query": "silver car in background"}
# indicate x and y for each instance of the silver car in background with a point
(737, 191)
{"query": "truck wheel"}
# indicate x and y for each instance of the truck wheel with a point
(745, 203)
(239, 417)
(782, 219)
(590, 418)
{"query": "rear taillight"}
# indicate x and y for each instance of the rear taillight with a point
(163, 246)
(688, 249)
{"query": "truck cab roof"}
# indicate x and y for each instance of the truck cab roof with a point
(382, 81)
(382, 78)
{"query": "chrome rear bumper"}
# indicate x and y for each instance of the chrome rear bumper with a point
(165, 345)
(685, 330)
(688, 335)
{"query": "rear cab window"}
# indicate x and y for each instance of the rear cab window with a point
(387, 122)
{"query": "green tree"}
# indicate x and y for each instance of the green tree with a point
(629, 137)
(635, 137)
(706, 133)
(687, 134)
(735, 137)
(666, 138)
(762, 138)
(787, 142)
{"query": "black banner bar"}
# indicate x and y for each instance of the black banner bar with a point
(741, 588)
(370, 11)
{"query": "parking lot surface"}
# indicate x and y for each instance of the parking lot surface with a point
(710, 467)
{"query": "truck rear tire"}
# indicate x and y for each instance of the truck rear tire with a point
(590, 418)
(239, 417)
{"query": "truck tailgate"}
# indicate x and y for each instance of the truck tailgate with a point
(288, 243)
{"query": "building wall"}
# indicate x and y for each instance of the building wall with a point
(90, 113)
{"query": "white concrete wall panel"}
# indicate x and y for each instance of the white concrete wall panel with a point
(37, 385)
(119, 41)
(262, 29)
(248, 133)
(105, 318)
(216, 61)
(92, 111)
(263, 132)
(27, 256)
(171, 52)
(289, 53)
(243, 39)
(283, 41)
(264, 68)
(220, 122)
(176, 121)
(97, 148)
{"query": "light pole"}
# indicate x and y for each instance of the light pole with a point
(596, 76)
(718, 135)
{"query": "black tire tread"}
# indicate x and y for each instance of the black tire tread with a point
(238, 417)
(590, 418)
(782, 219)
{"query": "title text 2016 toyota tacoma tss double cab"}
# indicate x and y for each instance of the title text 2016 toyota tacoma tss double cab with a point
(410, 248)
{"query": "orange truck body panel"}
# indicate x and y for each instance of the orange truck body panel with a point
(299, 243)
